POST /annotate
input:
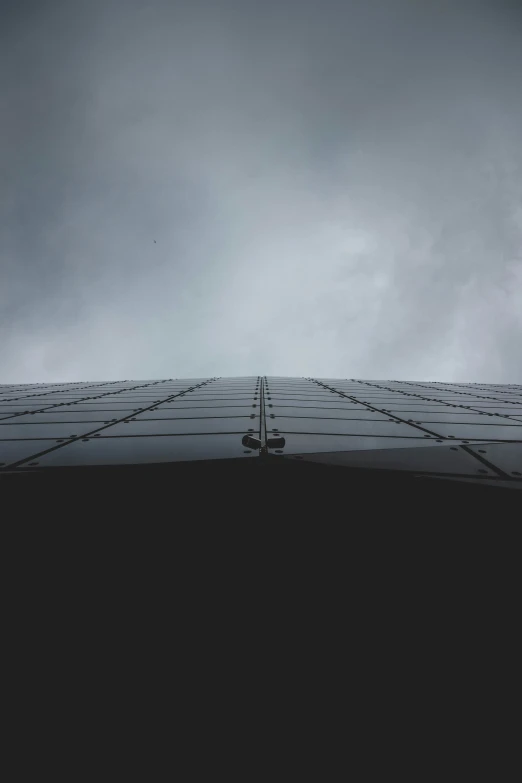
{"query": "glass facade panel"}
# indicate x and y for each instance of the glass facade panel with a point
(244, 402)
(68, 416)
(441, 460)
(299, 443)
(54, 429)
(193, 412)
(472, 431)
(147, 450)
(180, 426)
(507, 457)
(333, 412)
(12, 451)
(475, 431)
(368, 427)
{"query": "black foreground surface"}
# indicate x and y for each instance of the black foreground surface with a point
(267, 489)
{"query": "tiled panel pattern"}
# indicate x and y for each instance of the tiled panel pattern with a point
(128, 422)
(420, 427)
(466, 430)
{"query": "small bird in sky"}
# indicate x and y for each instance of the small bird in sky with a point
(155, 242)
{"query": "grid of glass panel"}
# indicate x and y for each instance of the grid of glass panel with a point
(419, 427)
(129, 422)
(462, 429)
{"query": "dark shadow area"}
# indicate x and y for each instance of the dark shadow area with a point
(270, 490)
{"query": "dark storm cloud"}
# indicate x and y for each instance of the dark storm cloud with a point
(334, 188)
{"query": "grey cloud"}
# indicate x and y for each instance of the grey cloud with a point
(334, 189)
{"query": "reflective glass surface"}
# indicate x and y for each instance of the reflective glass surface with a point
(315, 400)
(306, 443)
(337, 403)
(179, 426)
(198, 418)
(472, 431)
(129, 399)
(45, 399)
(52, 430)
(311, 392)
(514, 410)
(440, 460)
(346, 427)
(68, 416)
(428, 408)
(222, 404)
(454, 417)
(14, 450)
(11, 407)
(98, 405)
(197, 412)
(128, 451)
(505, 456)
(209, 398)
(339, 412)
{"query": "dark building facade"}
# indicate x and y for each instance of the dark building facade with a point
(469, 432)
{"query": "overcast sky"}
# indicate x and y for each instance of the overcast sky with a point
(229, 187)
